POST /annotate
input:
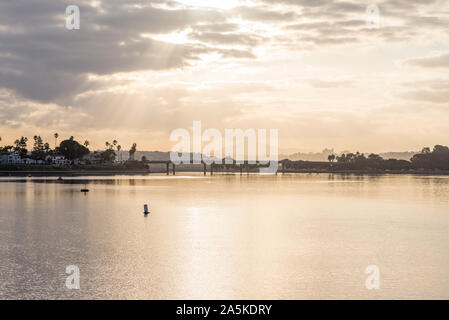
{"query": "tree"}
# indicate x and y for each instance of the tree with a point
(119, 147)
(438, 158)
(438, 149)
(375, 157)
(38, 152)
(6, 149)
(20, 146)
(86, 143)
(114, 143)
(341, 158)
(107, 156)
(331, 157)
(56, 139)
(132, 151)
(72, 149)
(47, 147)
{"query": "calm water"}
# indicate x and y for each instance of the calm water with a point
(255, 237)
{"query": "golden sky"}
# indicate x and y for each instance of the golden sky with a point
(136, 70)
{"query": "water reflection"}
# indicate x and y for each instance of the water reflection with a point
(288, 236)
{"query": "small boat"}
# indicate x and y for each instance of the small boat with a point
(60, 179)
(84, 190)
(145, 209)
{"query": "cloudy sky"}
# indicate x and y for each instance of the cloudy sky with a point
(136, 70)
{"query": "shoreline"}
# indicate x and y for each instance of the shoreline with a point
(77, 173)
(65, 173)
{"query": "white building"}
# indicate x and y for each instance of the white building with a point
(58, 160)
(79, 162)
(11, 159)
(32, 161)
(14, 158)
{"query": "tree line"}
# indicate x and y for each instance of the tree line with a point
(69, 148)
(437, 158)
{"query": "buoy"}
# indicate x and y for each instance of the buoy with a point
(145, 209)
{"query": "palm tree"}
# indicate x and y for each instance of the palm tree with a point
(46, 147)
(56, 139)
(132, 151)
(86, 143)
(119, 147)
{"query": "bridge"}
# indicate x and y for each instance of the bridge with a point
(236, 166)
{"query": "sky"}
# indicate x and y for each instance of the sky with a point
(136, 70)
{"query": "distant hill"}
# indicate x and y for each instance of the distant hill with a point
(323, 155)
(150, 155)
(407, 155)
(311, 156)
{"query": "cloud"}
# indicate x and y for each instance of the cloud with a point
(216, 27)
(330, 84)
(433, 91)
(228, 38)
(263, 15)
(440, 60)
(433, 96)
(23, 114)
(42, 61)
(148, 66)
(302, 3)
